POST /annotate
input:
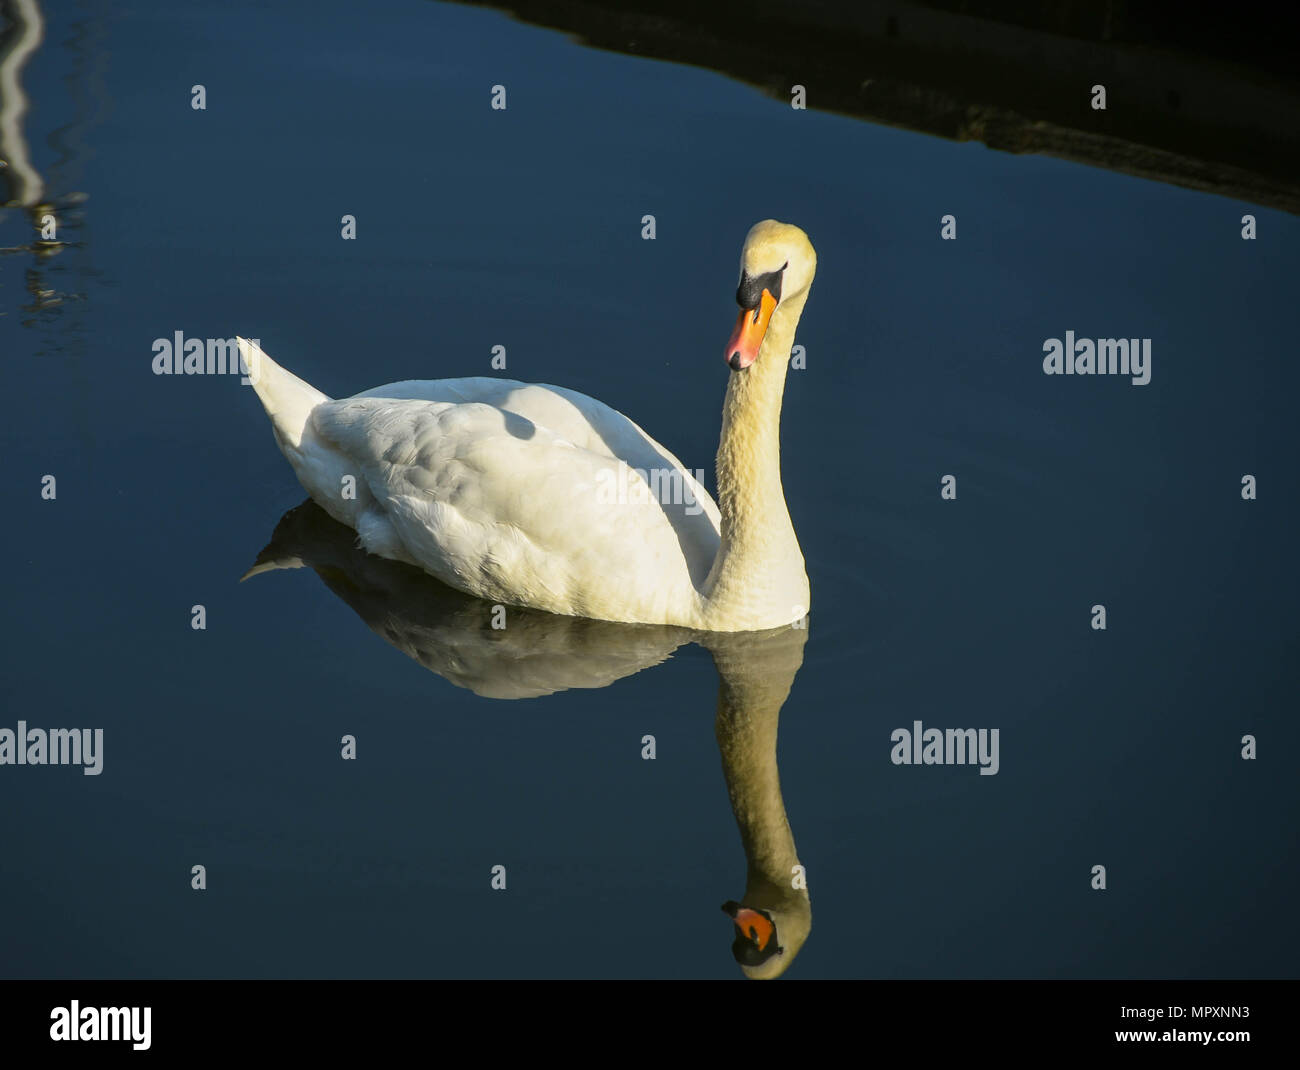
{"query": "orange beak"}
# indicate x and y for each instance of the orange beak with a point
(754, 926)
(751, 325)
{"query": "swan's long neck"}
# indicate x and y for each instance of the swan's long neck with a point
(758, 579)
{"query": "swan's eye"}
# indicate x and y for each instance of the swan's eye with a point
(749, 293)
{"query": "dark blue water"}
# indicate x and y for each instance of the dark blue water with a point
(522, 228)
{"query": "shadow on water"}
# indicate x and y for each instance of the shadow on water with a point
(1196, 102)
(462, 640)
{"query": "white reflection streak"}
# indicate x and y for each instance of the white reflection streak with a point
(27, 185)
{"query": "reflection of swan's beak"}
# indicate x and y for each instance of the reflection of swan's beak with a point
(751, 325)
(755, 934)
(774, 916)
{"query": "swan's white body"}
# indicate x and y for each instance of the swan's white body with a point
(510, 492)
(531, 495)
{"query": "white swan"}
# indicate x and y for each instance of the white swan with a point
(517, 493)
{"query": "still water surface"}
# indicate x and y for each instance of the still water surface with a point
(522, 228)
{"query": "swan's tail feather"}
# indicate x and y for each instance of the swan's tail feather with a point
(287, 399)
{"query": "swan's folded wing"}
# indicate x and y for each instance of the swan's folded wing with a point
(570, 414)
(499, 506)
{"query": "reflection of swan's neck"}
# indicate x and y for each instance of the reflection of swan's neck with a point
(758, 575)
(755, 680)
(746, 727)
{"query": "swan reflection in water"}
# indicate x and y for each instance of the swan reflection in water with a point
(451, 634)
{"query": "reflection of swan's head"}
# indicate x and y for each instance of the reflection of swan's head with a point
(768, 938)
(457, 637)
(777, 265)
(773, 918)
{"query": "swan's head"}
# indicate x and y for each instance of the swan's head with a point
(776, 265)
(767, 939)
